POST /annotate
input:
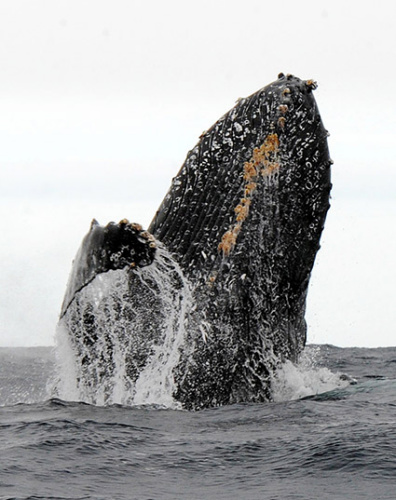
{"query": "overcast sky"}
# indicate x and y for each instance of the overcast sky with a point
(101, 100)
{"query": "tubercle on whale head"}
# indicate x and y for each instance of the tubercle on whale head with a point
(109, 248)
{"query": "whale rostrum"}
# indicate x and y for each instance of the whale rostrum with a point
(238, 232)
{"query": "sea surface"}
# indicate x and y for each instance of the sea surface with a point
(329, 434)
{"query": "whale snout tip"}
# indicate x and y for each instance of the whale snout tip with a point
(288, 76)
(310, 84)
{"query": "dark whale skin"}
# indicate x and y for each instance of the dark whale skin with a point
(253, 275)
(104, 248)
(243, 220)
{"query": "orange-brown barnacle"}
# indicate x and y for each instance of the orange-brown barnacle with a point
(241, 207)
(250, 186)
(124, 222)
(268, 149)
(136, 226)
(283, 108)
(250, 170)
(311, 84)
(243, 213)
(281, 121)
(285, 91)
(232, 236)
(273, 141)
(225, 248)
(257, 156)
(246, 201)
(226, 236)
(227, 242)
(237, 229)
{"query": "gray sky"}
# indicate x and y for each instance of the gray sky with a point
(101, 100)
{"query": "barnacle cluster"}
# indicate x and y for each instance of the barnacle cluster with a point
(263, 162)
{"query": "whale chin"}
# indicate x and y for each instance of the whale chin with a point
(206, 304)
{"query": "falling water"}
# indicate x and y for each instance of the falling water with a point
(156, 383)
(121, 337)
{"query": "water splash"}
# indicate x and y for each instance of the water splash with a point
(155, 384)
(295, 381)
(121, 337)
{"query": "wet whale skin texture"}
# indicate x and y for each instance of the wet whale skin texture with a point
(243, 220)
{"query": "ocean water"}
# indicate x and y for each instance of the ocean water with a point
(329, 434)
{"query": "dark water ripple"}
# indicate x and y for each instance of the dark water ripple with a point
(337, 445)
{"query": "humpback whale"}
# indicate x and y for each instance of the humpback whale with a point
(215, 290)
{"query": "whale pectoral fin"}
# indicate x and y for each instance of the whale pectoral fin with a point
(105, 248)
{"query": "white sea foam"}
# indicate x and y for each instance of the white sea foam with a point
(294, 381)
(66, 373)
